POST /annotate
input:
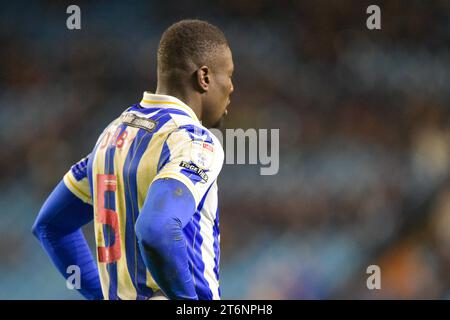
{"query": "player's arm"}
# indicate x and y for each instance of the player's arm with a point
(171, 201)
(58, 229)
(167, 209)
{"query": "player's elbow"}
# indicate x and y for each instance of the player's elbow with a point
(41, 225)
(38, 228)
(147, 232)
(157, 234)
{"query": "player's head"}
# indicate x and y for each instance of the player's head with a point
(195, 55)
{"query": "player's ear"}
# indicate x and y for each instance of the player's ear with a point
(202, 78)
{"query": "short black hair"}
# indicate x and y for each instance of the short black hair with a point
(189, 42)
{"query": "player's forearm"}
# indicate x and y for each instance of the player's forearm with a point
(72, 250)
(57, 228)
(159, 228)
(167, 261)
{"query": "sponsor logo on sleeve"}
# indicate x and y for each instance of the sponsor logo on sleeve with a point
(195, 169)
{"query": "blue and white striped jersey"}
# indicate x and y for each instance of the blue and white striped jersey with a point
(158, 138)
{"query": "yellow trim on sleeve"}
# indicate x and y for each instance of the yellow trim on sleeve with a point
(75, 190)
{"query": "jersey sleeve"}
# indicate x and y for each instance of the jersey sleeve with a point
(193, 156)
(77, 182)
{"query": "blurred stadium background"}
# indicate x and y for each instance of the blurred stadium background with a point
(364, 119)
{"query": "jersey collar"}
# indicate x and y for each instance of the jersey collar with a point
(164, 101)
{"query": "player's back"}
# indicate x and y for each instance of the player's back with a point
(159, 138)
(123, 165)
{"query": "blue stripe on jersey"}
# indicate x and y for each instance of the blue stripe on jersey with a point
(216, 246)
(197, 133)
(136, 266)
(164, 157)
(194, 241)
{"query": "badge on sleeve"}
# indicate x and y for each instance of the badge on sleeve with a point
(202, 154)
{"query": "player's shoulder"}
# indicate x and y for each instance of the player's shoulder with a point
(197, 138)
(195, 131)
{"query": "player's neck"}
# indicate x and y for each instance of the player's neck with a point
(189, 99)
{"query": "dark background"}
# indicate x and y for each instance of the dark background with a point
(364, 137)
